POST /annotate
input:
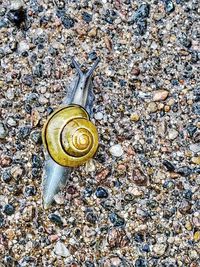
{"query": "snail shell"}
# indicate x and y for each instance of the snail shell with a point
(69, 136)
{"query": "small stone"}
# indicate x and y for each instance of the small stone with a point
(87, 17)
(36, 137)
(5, 161)
(35, 118)
(160, 95)
(193, 254)
(61, 250)
(116, 150)
(3, 131)
(16, 172)
(90, 166)
(6, 176)
(116, 220)
(11, 122)
(195, 147)
(196, 160)
(135, 117)
(184, 207)
(16, 4)
(117, 238)
(23, 46)
(159, 249)
(135, 71)
(8, 209)
(56, 219)
(172, 134)
(197, 236)
(101, 192)
(59, 199)
(10, 94)
(170, 167)
(139, 177)
(98, 116)
(92, 32)
(152, 107)
(169, 6)
(140, 263)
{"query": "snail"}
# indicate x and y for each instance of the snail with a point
(69, 137)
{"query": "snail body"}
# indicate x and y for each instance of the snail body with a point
(69, 137)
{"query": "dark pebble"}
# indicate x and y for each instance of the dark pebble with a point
(91, 217)
(187, 194)
(116, 220)
(92, 55)
(185, 41)
(194, 56)
(2, 221)
(142, 26)
(35, 173)
(169, 6)
(138, 237)
(191, 129)
(140, 263)
(101, 192)
(27, 79)
(55, 219)
(38, 70)
(169, 166)
(8, 260)
(36, 137)
(17, 16)
(49, 110)
(8, 209)
(6, 176)
(24, 132)
(139, 177)
(196, 108)
(146, 248)
(89, 264)
(30, 191)
(87, 192)
(184, 171)
(87, 17)
(142, 12)
(67, 22)
(36, 161)
(168, 213)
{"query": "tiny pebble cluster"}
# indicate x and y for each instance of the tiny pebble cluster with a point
(137, 203)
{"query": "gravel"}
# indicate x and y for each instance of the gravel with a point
(137, 202)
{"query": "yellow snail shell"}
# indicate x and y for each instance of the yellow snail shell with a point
(69, 136)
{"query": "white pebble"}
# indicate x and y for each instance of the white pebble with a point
(195, 147)
(173, 134)
(61, 250)
(116, 150)
(98, 116)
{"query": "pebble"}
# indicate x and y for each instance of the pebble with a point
(195, 147)
(101, 192)
(11, 122)
(172, 134)
(160, 95)
(8, 209)
(61, 250)
(196, 160)
(116, 220)
(138, 177)
(98, 116)
(197, 236)
(3, 131)
(56, 219)
(116, 150)
(152, 107)
(135, 117)
(23, 47)
(159, 249)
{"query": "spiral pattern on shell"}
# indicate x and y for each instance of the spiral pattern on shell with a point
(69, 136)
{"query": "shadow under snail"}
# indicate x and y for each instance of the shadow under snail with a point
(69, 137)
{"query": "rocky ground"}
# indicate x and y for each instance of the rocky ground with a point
(137, 202)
